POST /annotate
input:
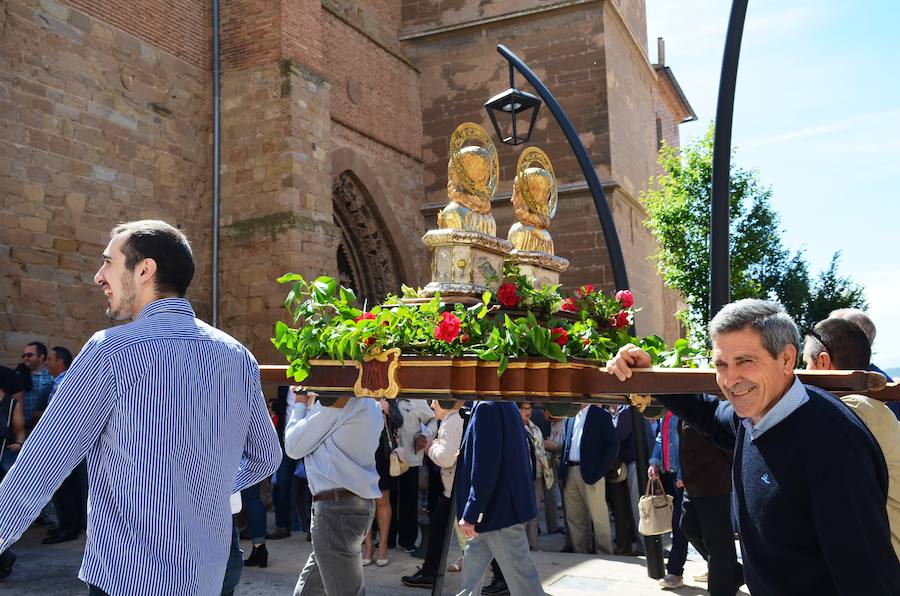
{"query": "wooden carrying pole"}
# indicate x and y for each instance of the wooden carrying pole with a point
(655, 381)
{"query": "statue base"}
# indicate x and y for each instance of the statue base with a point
(543, 268)
(464, 263)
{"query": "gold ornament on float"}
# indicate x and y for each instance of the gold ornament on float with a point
(535, 197)
(473, 173)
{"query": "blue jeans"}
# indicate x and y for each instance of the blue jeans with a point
(282, 494)
(678, 553)
(235, 565)
(256, 514)
(510, 547)
(335, 565)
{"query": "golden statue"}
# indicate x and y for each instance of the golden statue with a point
(472, 175)
(534, 198)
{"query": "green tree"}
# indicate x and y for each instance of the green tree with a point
(760, 266)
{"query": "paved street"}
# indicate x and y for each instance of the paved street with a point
(42, 570)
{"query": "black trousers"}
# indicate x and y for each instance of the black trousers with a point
(706, 522)
(437, 528)
(405, 510)
(69, 500)
(618, 498)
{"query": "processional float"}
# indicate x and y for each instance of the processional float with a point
(527, 342)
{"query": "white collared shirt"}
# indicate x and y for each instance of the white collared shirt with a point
(577, 430)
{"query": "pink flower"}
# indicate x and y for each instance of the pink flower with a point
(559, 335)
(508, 296)
(448, 329)
(626, 298)
(569, 305)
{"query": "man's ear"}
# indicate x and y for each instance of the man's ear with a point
(146, 270)
(824, 361)
(789, 358)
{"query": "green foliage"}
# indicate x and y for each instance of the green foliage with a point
(328, 325)
(760, 266)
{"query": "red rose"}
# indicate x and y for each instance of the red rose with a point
(569, 305)
(364, 316)
(508, 296)
(620, 320)
(626, 298)
(559, 335)
(585, 290)
(448, 329)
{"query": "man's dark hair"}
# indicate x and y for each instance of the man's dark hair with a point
(39, 347)
(165, 244)
(63, 354)
(845, 342)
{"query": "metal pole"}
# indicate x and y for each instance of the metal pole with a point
(217, 158)
(720, 284)
(438, 587)
(620, 277)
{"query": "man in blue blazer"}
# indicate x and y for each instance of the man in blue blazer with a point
(591, 445)
(494, 499)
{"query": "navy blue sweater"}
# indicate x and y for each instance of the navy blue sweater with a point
(809, 496)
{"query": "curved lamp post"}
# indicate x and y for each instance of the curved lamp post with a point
(513, 102)
(719, 282)
(508, 101)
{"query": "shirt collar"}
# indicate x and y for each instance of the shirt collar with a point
(795, 397)
(179, 306)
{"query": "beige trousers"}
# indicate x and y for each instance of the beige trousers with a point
(586, 509)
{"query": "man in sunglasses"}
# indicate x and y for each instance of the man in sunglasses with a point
(34, 374)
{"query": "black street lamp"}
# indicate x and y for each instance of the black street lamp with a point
(513, 102)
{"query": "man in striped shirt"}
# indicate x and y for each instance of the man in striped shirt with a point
(170, 414)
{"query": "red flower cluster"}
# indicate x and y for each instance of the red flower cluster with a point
(569, 305)
(448, 329)
(620, 320)
(585, 290)
(559, 335)
(508, 296)
(625, 297)
(364, 316)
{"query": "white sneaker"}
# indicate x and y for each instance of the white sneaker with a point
(702, 578)
(670, 582)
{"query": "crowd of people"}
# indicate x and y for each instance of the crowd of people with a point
(169, 452)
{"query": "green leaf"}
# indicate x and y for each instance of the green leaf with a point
(290, 278)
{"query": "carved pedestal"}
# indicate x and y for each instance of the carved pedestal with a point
(540, 266)
(464, 263)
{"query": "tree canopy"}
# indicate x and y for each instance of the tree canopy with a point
(679, 204)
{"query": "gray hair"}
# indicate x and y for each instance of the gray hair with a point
(858, 318)
(776, 328)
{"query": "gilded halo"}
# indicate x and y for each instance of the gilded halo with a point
(534, 155)
(465, 132)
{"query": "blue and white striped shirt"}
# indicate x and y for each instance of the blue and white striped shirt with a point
(170, 414)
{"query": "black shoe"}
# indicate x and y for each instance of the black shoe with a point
(279, 533)
(258, 558)
(309, 536)
(418, 580)
(7, 560)
(409, 549)
(495, 587)
(567, 549)
(61, 536)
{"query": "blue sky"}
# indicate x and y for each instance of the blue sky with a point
(817, 114)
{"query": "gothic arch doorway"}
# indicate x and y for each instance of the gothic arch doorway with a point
(366, 256)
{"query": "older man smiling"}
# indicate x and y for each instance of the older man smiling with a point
(810, 481)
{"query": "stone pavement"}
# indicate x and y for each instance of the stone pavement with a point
(52, 570)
